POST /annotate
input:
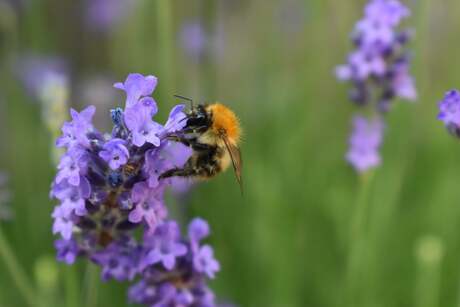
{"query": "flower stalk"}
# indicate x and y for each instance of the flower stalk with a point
(16, 272)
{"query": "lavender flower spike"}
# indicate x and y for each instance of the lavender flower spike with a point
(379, 66)
(365, 141)
(107, 187)
(378, 70)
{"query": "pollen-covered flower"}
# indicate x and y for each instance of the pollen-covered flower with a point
(364, 143)
(379, 66)
(449, 111)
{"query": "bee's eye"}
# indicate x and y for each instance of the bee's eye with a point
(197, 120)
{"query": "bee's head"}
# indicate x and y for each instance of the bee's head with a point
(198, 118)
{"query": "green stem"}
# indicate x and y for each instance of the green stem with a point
(429, 255)
(92, 285)
(357, 240)
(71, 287)
(16, 272)
(165, 43)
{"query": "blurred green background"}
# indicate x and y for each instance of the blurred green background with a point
(287, 241)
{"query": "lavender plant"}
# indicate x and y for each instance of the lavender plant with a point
(378, 68)
(107, 186)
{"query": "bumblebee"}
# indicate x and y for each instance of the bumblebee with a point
(213, 133)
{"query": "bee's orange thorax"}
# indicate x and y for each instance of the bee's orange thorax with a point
(225, 120)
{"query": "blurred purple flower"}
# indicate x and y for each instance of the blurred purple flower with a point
(67, 250)
(198, 229)
(193, 39)
(449, 111)
(403, 83)
(204, 261)
(63, 223)
(378, 69)
(98, 89)
(365, 142)
(105, 15)
(379, 66)
(386, 12)
(41, 73)
(200, 43)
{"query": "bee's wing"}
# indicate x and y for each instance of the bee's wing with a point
(235, 156)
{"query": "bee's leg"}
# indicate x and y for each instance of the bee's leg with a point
(195, 129)
(202, 147)
(180, 139)
(179, 172)
(190, 143)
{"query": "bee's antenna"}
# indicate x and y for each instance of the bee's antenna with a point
(186, 98)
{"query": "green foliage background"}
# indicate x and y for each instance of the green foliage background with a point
(288, 241)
